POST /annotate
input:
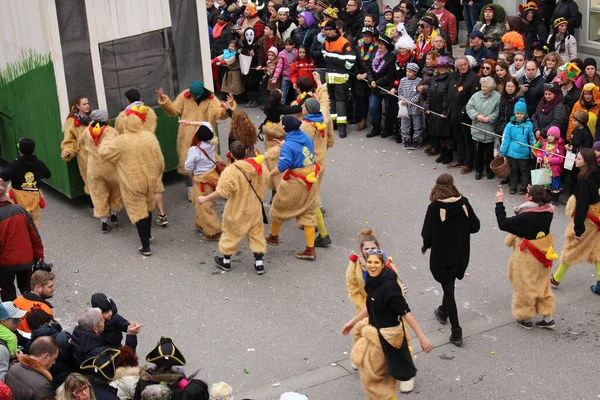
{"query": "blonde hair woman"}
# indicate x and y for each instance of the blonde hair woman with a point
(75, 387)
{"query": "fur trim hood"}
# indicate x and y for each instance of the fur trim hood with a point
(29, 362)
(126, 371)
(499, 13)
(171, 376)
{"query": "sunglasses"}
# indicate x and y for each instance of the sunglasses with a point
(421, 25)
(375, 251)
(486, 68)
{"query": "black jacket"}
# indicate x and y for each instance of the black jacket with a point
(437, 101)
(569, 10)
(222, 42)
(446, 231)
(571, 98)
(384, 299)
(524, 225)
(102, 390)
(507, 109)
(86, 344)
(460, 90)
(354, 23)
(534, 94)
(586, 193)
(114, 328)
(385, 76)
(581, 139)
(18, 172)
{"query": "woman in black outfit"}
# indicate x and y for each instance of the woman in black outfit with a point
(449, 222)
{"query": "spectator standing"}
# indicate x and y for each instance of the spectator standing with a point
(411, 20)
(562, 41)
(212, 12)
(590, 74)
(370, 7)
(549, 66)
(446, 20)
(437, 101)
(307, 30)
(251, 20)
(41, 289)
(30, 378)
(532, 86)
(381, 74)
(285, 26)
(10, 317)
(589, 102)
(476, 48)
(491, 24)
(353, 18)
(366, 50)
(21, 247)
(536, 30)
(471, 9)
(508, 99)
(567, 74)
(550, 111)
(568, 10)
(517, 67)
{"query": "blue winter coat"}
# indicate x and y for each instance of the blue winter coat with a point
(517, 132)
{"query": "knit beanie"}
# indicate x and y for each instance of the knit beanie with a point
(204, 133)
(273, 50)
(5, 392)
(99, 115)
(596, 146)
(520, 106)
(554, 131)
(26, 146)
(413, 67)
(312, 106)
(588, 62)
(197, 89)
(552, 88)
(290, 123)
(132, 95)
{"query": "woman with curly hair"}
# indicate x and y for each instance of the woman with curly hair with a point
(549, 66)
(242, 129)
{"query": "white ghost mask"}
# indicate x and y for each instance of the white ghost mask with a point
(249, 34)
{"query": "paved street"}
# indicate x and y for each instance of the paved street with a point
(268, 334)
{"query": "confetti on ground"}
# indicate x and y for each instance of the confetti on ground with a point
(334, 364)
(383, 151)
(367, 223)
(493, 352)
(467, 274)
(246, 371)
(251, 350)
(276, 384)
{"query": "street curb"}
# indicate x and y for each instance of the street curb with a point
(342, 368)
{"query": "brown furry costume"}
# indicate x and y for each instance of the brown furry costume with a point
(530, 279)
(139, 162)
(242, 215)
(103, 182)
(206, 217)
(294, 200)
(184, 106)
(232, 80)
(588, 247)
(72, 143)
(272, 150)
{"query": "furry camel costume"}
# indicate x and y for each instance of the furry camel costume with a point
(242, 215)
(185, 106)
(206, 218)
(139, 162)
(272, 131)
(103, 182)
(530, 277)
(588, 247)
(74, 145)
(296, 198)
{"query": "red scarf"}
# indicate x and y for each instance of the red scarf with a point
(403, 59)
(218, 29)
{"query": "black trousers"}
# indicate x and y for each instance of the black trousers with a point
(519, 169)
(338, 95)
(449, 303)
(144, 228)
(7, 284)
(465, 146)
(484, 156)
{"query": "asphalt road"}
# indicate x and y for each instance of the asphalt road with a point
(268, 334)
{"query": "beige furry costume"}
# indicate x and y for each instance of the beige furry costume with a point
(272, 131)
(206, 217)
(530, 278)
(139, 162)
(588, 247)
(72, 143)
(242, 215)
(184, 106)
(103, 182)
(295, 200)
(368, 356)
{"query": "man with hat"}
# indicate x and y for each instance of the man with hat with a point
(21, 247)
(298, 193)
(567, 74)
(25, 174)
(446, 20)
(340, 60)
(166, 357)
(9, 321)
(30, 378)
(366, 48)
(100, 371)
(476, 48)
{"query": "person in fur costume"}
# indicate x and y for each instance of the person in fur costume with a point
(384, 341)
(168, 362)
(201, 167)
(243, 185)
(103, 182)
(298, 193)
(71, 146)
(133, 98)
(140, 163)
(582, 241)
(195, 104)
(530, 265)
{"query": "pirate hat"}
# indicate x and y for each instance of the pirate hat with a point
(166, 353)
(104, 364)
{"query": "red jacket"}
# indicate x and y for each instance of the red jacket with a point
(302, 67)
(20, 242)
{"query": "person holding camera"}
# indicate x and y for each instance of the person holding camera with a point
(21, 247)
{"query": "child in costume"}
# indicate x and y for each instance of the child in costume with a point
(232, 79)
(25, 174)
(296, 195)
(530, 265)
(71, 145)
(140, 163)
(519, 129)
(385, 339)
(201, 167)
(304, 66)
(243, 185)
(549, 155)
(103, 182)
(195, 104)
(270, 82)
(582, 241)
(414, 122)
(114, 324)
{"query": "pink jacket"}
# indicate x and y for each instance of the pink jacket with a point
(553, 160)
(283, 65)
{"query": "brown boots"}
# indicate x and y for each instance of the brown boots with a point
(273, 240)
(362, 125)
(308, 254)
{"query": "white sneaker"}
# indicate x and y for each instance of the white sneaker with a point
(407, 386)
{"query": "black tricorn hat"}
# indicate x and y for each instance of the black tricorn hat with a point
(104, 364)
(166, 353)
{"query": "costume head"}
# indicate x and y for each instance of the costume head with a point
(290, 123)
(331, 12)
(166, 354)
(404, 40)
(26, 146)
(569, 71)
(103, 365)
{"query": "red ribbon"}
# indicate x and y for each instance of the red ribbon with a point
(539, 255)
(309, 185)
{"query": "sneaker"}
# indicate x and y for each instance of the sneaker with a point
(524, 324)
(407, 386)
(442, 319)
(322, 241)
(553, 283)
(106, 227)
(595, 288)
(260, 269)
(546, 325)
(162, 220)
(145, 252)
(221, 263)
(114, 220)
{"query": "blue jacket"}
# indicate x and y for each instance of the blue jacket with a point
(297, 151)
(519, 132)
(480, 55)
